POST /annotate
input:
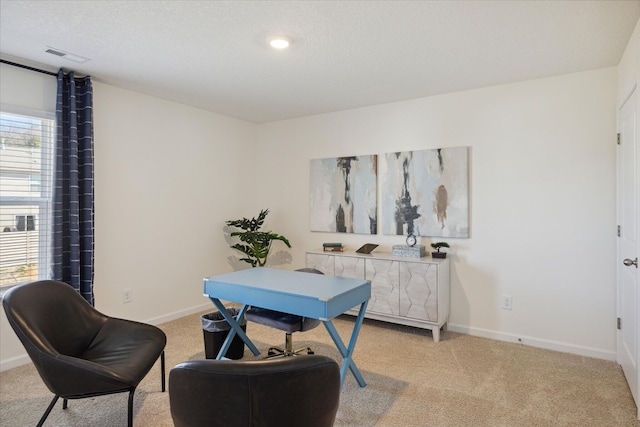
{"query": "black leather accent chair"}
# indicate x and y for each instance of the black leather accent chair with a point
(291, 391)
(289, 323)
(78, 351)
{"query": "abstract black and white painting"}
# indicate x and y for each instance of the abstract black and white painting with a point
(344, 194)
(426, 192)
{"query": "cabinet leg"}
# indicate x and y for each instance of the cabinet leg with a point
(436, 334)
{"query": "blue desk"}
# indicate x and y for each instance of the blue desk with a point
(311, 295)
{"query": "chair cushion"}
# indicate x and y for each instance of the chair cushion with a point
(128, 348)
(291, 391)
(286, 322)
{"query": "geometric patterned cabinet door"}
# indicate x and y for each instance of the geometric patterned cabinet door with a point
(348, 266)
(384, 276)
(419, 291)
(322, 262)
(407, 291)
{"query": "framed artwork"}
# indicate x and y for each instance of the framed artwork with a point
(426, 193)
(344, 195)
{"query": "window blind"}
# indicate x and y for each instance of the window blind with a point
(26, 172)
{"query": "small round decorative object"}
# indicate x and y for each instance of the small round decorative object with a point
(411, 240)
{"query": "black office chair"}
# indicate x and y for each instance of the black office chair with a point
(78, 351)
(289, 323)
(292, 391)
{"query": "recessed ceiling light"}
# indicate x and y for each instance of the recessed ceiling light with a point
(280, 42)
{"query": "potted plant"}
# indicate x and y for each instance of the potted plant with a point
(255, 244)
(437, 246)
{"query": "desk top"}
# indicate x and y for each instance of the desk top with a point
(295, 292)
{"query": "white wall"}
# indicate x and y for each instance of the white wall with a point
(629, 66)
(167, 176)
(542, 199)
(27, 89)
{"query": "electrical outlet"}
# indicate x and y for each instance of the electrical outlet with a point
(507, 301)
(127, 296)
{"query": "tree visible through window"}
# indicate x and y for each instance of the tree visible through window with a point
(26, 163)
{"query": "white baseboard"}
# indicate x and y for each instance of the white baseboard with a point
(181, 313)
(485, 333)
(535, 342)
(14, 362)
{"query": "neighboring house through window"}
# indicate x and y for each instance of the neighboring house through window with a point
(26, 168)
(25, 223)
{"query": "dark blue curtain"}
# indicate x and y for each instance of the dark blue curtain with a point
(73, 212)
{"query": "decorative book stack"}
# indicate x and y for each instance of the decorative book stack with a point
(417, 251)
(332, 247)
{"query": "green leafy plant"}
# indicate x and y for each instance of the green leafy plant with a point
(438, 245)
(255, 244)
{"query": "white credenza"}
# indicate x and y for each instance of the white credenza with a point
(408, 291)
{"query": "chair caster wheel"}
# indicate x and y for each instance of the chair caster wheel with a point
(310, 352)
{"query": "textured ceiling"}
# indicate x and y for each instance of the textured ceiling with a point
(347, 54)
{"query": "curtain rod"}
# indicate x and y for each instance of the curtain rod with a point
(38, 70)
(26, 67)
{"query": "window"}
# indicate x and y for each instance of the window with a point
(26, 173)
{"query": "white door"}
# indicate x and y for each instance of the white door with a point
(628, 195)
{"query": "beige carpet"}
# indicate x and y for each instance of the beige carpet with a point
(411, 381)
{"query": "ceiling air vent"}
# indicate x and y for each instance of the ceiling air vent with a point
(66, 55)
(55, 52)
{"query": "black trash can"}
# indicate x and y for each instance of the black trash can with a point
(215, 330)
